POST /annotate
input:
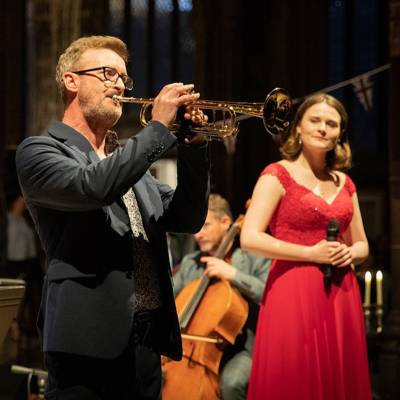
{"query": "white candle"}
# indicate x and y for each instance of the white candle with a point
(367, 289)
(379, 295)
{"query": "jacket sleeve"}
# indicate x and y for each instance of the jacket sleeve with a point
(188, 272)
(186, 207)
(57, 176)
(178, 282)
(251, 275)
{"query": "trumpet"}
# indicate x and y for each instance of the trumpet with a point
(223, 122)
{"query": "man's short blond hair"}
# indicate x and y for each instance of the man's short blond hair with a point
(70, 58)
(219, 206)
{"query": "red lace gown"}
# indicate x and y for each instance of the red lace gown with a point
(309, 345)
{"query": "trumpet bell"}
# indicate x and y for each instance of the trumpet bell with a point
(277, 112)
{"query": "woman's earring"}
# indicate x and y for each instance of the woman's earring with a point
(300, 141)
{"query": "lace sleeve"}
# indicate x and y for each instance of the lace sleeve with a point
(350, 186)
(279, 171)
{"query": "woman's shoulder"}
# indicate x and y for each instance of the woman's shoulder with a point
(276, 168)
(346, 181)
(279, 170)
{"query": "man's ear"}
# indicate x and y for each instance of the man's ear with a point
(226, 222)
(71, 81)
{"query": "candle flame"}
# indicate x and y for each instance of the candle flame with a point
(368, 276)
(379, 275)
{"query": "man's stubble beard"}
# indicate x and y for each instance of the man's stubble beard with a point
(210, 248)
(100, 116)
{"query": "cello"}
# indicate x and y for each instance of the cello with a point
(211, 315)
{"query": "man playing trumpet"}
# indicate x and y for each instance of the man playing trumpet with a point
(107, 311)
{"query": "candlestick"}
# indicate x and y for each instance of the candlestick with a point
(367, 289)
(379, 301)
(379, 295)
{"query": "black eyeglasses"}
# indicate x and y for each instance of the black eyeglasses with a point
(111, 75)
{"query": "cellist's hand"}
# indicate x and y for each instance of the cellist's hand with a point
(217, 268)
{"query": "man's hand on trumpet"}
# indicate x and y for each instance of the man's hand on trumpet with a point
(170, 99)
(197, 117)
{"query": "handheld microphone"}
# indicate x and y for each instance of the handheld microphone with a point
(332, 232)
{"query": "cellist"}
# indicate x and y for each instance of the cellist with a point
(244, 271)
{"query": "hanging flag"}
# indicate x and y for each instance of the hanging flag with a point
(362, 88)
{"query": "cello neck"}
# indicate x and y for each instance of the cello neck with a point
(191, 305)
(226, 242)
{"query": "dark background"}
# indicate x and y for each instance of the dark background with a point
(233, 50)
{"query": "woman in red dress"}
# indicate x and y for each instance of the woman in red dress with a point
(310, 341)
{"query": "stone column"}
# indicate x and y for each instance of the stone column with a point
(52, 24)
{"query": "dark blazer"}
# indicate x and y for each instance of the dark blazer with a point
(75, 201)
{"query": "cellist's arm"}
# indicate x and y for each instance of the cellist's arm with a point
(248, 272)
(178, 283)
(218, 268)
(252, 273)
(188, 271)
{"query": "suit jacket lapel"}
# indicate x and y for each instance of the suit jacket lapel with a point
(147, 196)
(119, 218)
(143, 200)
